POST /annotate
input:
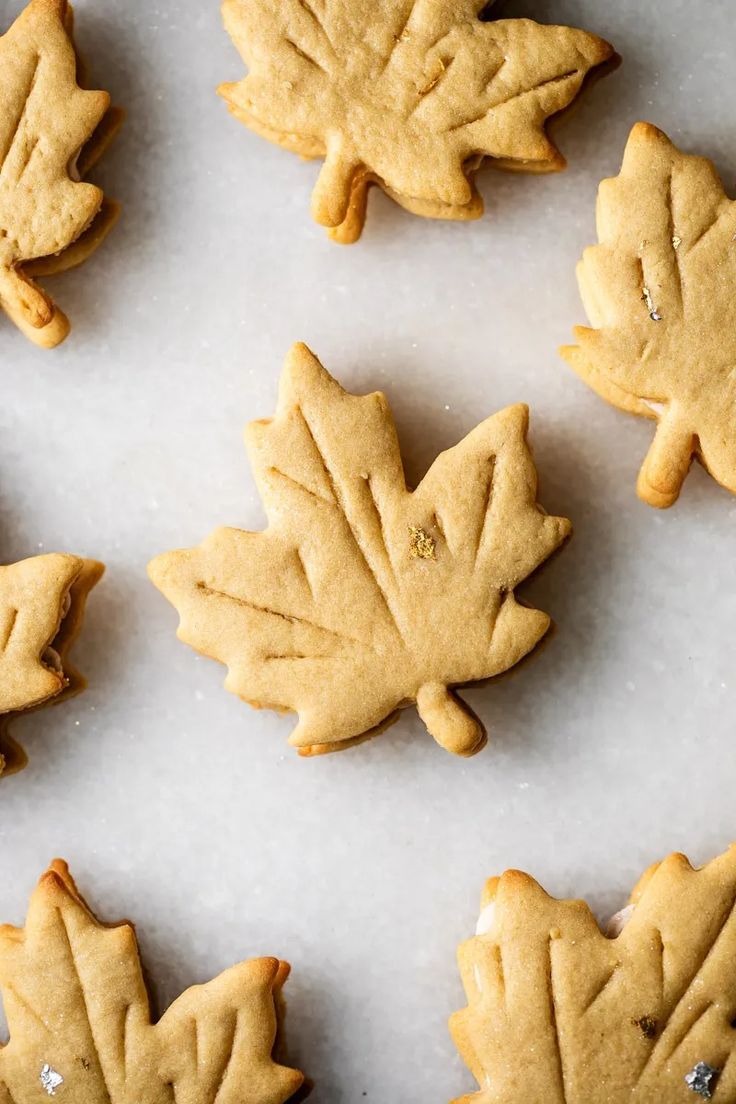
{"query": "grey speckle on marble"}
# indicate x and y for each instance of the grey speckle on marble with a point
(179, 806)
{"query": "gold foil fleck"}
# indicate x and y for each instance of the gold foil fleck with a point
(421, 545)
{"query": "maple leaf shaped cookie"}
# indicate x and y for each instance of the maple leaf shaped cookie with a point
(362, 597)
(42, 604)
(80, 1022)
(561, 1013)
(659, 291)
(51, 133)
(408, 94)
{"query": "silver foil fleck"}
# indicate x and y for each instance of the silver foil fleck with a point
(653, 312)
(701, 1080)
(50, 1080)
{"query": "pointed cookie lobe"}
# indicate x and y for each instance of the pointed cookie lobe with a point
(409, 94)
(81, 1026)
(333, 612)
(659, 292)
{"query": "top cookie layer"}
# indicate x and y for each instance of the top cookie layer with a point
(42, 602)
(659, 291)
(46, 120)
(560, 1013)
(81, 1027)
(362, 597)
(408, 93)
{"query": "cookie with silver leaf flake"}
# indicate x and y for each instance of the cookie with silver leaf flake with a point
(362, 597)
(412, 95)
(659, 292)
(82, 1030)
(562, 1012)
(42, 603)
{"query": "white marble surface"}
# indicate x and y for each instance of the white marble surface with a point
(184, 809)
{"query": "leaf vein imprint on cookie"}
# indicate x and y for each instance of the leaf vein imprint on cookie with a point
(601, 989)
(360, 542)
(363, 597)
(12, 617)
(273, 612)
(560, 1061)
(24, 101)
(412, 97)
(686, 990)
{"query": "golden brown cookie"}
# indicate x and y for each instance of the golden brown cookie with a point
(409, 94)
(560, 1012)
(81, 1027)
(659, 293)
(42, 604)
(362, 597)
(51, 133)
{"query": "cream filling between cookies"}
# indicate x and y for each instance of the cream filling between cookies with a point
(73, 167)
(50, 657)
(618, 922)
(486, 918)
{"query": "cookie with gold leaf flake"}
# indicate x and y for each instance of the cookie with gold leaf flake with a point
(563, 1012)
(410, 94)
(42, 604)
(659, 292)
(81, 1026)
(363, 597)
(52, 132)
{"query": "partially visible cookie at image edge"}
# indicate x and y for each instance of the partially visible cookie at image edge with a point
(412, 95)
(52, 131)
(563, 1012)
(42, 603)
(660, 293)
(81, 1026)
(362, 597)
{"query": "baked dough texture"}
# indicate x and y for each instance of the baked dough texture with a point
(409, 94)
(52, 132)
(361, 596)
(559, 1013)
(42, 603)
(80, 1021)
(660, 292)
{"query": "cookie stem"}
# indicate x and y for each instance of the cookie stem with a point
(333, 190)
(351, 227)
(20, 296)
(449, 721)
(32, 312)
(667, 463)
